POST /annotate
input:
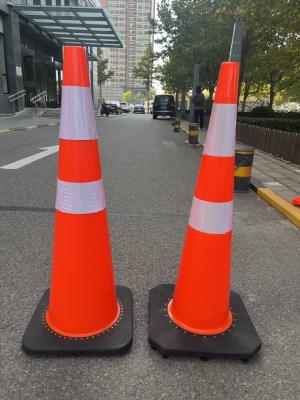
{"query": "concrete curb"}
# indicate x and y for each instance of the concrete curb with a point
(28, 127)
(291, 212)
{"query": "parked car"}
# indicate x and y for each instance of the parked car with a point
(125, 107)
(105, 109)
(139, 108)
(114, 107)
(164, 105)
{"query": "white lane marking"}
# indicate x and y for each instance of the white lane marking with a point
(47, 151)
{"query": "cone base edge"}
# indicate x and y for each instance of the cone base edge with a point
(39, 339)
(61, 333)
(240, 341)
(202, 332)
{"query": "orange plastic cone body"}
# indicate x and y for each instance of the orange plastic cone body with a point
(201, 297)
(82, 297)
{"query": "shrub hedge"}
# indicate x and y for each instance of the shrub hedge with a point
(280, 115)
(262, 112)
(291, 125)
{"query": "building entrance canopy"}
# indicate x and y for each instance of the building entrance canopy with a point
(81, 26)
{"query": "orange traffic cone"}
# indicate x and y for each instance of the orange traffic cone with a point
(83, 303)
(296, 201)
(198, 319)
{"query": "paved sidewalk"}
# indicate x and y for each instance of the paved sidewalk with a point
(25, 119)
(275, 180)
(280, 176)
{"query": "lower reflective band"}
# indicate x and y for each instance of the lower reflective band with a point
(210, 217)
(80, 198)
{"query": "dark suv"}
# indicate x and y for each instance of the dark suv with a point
(164, 105)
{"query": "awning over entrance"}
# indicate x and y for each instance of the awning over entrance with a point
(81, 26)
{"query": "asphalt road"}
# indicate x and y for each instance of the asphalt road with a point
(149, 176)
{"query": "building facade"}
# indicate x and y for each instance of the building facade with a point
(132, 20)
(31, 42)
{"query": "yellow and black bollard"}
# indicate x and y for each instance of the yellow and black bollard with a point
(176, 125)
(243, 167)
(193, 133)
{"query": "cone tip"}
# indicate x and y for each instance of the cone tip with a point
(228, 83)
(75, 70)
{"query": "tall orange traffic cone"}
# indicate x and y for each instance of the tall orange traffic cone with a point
(202, 318)
(83, 303)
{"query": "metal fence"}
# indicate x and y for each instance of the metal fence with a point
(282, 144)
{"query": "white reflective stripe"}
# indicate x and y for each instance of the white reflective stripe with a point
(211, 217)
(220, 138)
(80, 198)
(77, 121)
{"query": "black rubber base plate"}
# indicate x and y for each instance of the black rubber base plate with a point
(239, 342)
(40, 339)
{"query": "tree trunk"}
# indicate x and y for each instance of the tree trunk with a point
(182, 105)
(100, 100)
(148, 99)
(245, 96)
(271, 95)
(211, 90)
(176, 102)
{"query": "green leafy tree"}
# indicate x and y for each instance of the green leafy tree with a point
(271, 47)
(145, 70)
(104, 74)
(139, 97)
(199, 32)
(127, 96)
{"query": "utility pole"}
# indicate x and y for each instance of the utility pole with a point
(237, 42)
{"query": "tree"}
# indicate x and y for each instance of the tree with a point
(139, 97)
(199, 32)
(271, 44)
(127, 96)
(104, 75)
(145, 70)
(190, 35)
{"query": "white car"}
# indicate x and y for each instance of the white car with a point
(125, 107)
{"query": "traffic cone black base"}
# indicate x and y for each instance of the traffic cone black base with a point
(40, 339)
(240, 341)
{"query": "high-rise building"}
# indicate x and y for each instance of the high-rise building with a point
(132, 20)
